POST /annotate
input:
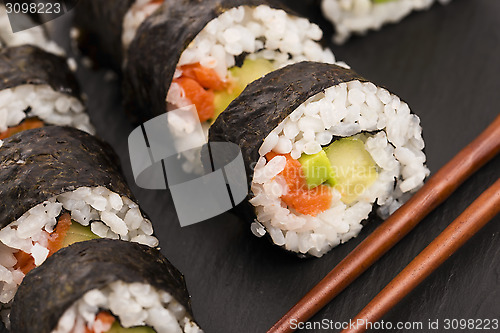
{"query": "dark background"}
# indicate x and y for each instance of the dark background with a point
(445, 64)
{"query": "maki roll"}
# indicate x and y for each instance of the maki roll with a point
(322, 147)
(179, 53)
(37, 89)
(205, 52)
(35, 36)
(104, 286)
(59, 186)
(359, 16)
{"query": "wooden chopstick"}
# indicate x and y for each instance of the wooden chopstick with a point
(436, 190)
(476, 216)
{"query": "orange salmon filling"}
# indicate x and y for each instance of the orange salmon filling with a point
(25, 262)
(304, 200)
(26, 124)
(106, 321)
(199, 84)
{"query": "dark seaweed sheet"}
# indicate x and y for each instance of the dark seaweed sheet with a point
(265, 103)
(85, 266)
(158, 45)
(38, 164)
(31, 65)
(101, 24)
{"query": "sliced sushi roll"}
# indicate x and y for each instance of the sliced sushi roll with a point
(59, 185)
(37, 89)
(104, 286)
(359, 16)
(205, 52)
(322, 147)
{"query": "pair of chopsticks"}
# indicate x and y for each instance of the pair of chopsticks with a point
(476, 216)
(435, 191)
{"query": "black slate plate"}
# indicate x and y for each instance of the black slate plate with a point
(445, 64)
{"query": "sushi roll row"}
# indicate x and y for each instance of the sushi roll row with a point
(178, 53)
(38, 85)
(75, 247)
(323, 148)
(59, 186)
(67, 212)
(359, 16)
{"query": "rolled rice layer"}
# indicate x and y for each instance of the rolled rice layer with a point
(133, 304)
(42, 102)
(301, 109)
(359, 16)
(38, 84)
(261, 32)
(214, 34)
(391, 135)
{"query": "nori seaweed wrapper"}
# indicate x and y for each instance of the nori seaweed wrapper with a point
(265, 103)
(38, 164)
(50, 289)
(158, 45)
(30, 65)
(100, 23)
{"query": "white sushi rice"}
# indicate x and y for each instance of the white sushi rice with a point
(108, 214)
(134, 304)
(344, 110)
(53, 108)
(359, 16)
(35, 36)
(262, 32)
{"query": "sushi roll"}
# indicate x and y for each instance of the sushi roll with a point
(37, 89)
(104, 286)
(358, 16)
(322, 148)
(205, 52)
(59, 186)
(35, 36)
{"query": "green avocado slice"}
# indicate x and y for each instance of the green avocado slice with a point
(317, 169)
(250, 71)
(353, 167)
(78, 233)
